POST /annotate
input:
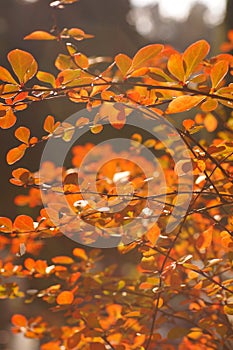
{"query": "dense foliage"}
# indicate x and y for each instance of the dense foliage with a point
(179, 295)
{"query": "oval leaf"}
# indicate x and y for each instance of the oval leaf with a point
(123, 63)
(65, 298)
(40, 35)
(16, 154)
(176, 67)
(194, 54)
(22, 134)
(19, 320)
(23, 223)
(144, 55)
(218, 72)
(183, 103)
(23, 64)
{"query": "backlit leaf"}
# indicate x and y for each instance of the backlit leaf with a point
(23, 223)
(22, 134)
(16, 154)
(23, 64)
(66, 260)
(123, 63)
(19, 320)
(218, 72)
(80, 253)
(5, 225)
(6, 76)
(145, 54)
(81, 60)
(176, 67)
(183, 103)
(210, 122)
(194, 54)
(46, 78)
(40, 35)
(153, 234)
(65, 298)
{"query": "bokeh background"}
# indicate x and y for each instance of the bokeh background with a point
(118, 26)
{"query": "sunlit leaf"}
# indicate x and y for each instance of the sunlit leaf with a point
(81, 60)
(66, 260)
(175, 66)
(183, 103)
(6, 76)
(123, 63)
(153, 234)
(144, 55)
(218, 72)
(23, 64)
(19, 320)
(5, 225)
(46, 78)
(194, 54)
(65, 298)
(23, 223)
(22, 134)
(40, 35)
(80, 253)
(16, 154)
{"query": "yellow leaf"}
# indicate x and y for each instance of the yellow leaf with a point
(23, 64)
(194, 54)
(6, 76)
(218, 72)
(145, 54)
(81, 60)
(176, 67)
(46, 78)
(123, 63)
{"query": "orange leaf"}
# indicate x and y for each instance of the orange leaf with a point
(23, 64)
(23, 223)
(16, 154)
(79, 34)
(80, 253)
(81, 60)
(8, 118)
(97, 346)
(74, 340)
(46, 78)
(53, 345)
(6, 76)
(218, 72)
(19, 320)
(194, 54)
(153, 234)
(50, 125)
(209, 105)
(123, 63)
(66, 260)
(22, 134)
(5, 225)
(183, 103)
(205, 238)
(65, 298)
(210, 122)
(144, 55)
(40, 35)
(176, 67)
(188, 124)
(29, 263)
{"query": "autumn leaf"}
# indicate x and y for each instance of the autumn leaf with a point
(183, 103)
(49, 124)
(46, 78)
(6, 76)
(65, 298)
(5, 225)
(23, 223)
(19, 320)
(123, 63)
(153, 234)
(16, 154)
(144, 55)
(80, 253)
(23, 134)
(193, 56)
(175, 66)
(40, 35)
(66, 260)
(218, 72)
(81, 60)
(23, 64)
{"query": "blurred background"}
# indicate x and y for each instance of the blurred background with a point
(118, 26)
